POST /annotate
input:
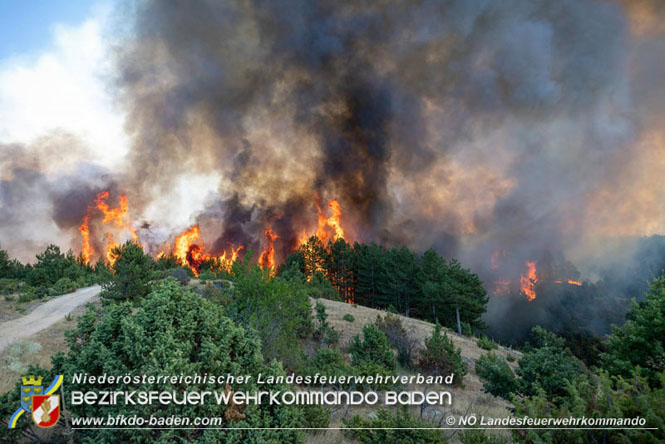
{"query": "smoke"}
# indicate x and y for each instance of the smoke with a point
(529, 127)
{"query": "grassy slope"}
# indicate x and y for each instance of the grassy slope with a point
(469, 399)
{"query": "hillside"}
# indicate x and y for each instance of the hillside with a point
(470, 398)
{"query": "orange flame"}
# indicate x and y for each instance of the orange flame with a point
(267, 258)
(86, 248)
(528, 281)
(189, 250)
(328, 228)
(110, 246)
(570, 282)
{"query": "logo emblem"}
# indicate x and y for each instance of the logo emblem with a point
(31, 386)
(45, 410)
(38, 401)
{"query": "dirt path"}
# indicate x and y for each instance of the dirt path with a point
(44, 315)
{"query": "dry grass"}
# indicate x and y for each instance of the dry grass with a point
(21, 353)
(470, 399)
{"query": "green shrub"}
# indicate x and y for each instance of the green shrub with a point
(510, 357)
(486, 343)
(481, 437)
(329, 361)
(180, 274)
(173, 330)
(440, 357)
(398, 337)
(373, 349)
(10, 298)
(216, 294)
(397, 428)
(348, 317)
(641, 340)
(546, 364)
(9, 286)
(276, 308)
(132, 274)
(207, 276)
(324, 333)
(498, 379)
(27, 297)
(63, 286)
(316, 416)
(467, 330)
(599, 395)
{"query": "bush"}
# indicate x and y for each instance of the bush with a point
(486, 343)
(547, 366)
(348, 317)
(373, 349)
(481, 437)
(641, 340)
(498, 379)
(175, 331)
(398, 428)
(398, 337)
(180, 274)
(63, 286)
(316, 416)
(510, 357)
(440, 357)
(207, 276)
(330, 362)
(599, 396)
(132, 274)
(324, 333)
(9, 286)
(277, 309)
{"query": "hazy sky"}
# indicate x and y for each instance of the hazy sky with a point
(26, 25)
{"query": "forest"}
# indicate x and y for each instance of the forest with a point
(252, 320)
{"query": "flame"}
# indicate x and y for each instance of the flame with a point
(328, 228)
(528, 281)
(267, 258)
(189, 251)
(115, 215)
(110, 246)
(569, 281)
(119, 217)
(86, 248)
(189, 248)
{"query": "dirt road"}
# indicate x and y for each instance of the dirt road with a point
(44, 315)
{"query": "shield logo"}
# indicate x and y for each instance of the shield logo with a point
(45, 410)
(27, 392)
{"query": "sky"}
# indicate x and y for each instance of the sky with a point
(55, 74)
(26, 26)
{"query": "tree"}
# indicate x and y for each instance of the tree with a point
(132, 274)
(546, 364)
(174, 331)
(598, 395)
(641, 340)
(402, 278)
(370, 275)
(498, 379)
(440, 356)
(279, 309)
(373, 350)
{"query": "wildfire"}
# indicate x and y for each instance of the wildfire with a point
(496, 257)
(570, 282)
(110, 246)
(501, 288)
(528, 281)
(328, 227)
(189, 251)
(267, 258)
(86, 248)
